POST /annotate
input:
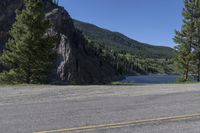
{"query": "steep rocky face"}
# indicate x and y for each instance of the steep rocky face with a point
(75, 63)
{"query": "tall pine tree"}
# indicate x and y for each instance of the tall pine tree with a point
(185, 39)
(196, 44)
(29, 53)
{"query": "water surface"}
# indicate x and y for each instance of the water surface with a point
(151, 79)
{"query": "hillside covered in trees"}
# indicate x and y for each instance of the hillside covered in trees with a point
(121, 43)
(125, 54)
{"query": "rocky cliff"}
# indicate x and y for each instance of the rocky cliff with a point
(75, 63)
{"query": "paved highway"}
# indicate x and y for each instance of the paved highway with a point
(100, 109)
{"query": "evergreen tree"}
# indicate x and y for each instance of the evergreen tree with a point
(29, 53)
(196, 44)
(185, 39)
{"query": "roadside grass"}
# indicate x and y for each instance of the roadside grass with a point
(115, 83)
(188, 82)
(23, 85)
(122, 83)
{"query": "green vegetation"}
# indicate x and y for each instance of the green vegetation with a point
(188, 41)
(122, 83)
(28, 55)
(120, 43)
(126, 55)
(126, 63)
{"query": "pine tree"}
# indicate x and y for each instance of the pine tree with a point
(29, 53)
(196, 44)
(185, 39)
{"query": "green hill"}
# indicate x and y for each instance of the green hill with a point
(119, 42)
(126, 55)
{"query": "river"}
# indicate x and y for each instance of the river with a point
(151, 79)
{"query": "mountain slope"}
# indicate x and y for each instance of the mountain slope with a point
(119, 42)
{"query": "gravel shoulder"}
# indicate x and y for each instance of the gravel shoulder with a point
(11, 94)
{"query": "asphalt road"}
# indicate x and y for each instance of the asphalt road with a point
(100, 109)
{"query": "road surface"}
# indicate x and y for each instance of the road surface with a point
(100, 109)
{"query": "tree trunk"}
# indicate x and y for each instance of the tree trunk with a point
(186, 75)
(28, 73)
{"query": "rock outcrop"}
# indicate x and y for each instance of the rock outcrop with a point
(75, 63)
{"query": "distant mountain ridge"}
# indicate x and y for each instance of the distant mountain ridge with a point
(119, 42)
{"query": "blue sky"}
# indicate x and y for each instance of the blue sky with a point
(148, 21)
